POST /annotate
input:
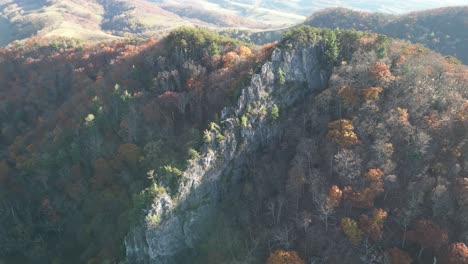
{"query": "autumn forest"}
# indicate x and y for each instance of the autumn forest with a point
(367, 165)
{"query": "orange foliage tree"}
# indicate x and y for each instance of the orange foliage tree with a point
(331, 203)
(380, 70)
(284, 257)
(342, 132)
(365, 198)
(230, 59)
(334, 197)
(456, 253)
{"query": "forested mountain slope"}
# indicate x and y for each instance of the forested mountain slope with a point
(443, 29)
(82, 125)
(368, 167)
(198, 148)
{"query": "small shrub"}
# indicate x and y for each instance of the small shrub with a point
(220, 138)
(244, 121)
(207, 136)
(152, 220)
(281, 77)
(193, 154)
(274, 112)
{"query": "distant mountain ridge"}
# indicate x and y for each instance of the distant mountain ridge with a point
(110, 19)
(442, 29)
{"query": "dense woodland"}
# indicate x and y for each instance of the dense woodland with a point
(82, 125)
(442, 29)
(371, 170)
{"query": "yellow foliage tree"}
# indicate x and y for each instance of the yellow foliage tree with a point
(404, 116)
(351, 230)
(342, 132)
(372, 94)
(284, 257)
(244, 52)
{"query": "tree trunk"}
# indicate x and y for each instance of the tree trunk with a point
(420, 253)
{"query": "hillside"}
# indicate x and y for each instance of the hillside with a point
(110, 19)
(364, 162)
(443, 30)
(83, 124)
(197, 148)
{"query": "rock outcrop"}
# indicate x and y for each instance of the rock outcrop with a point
(183, 221)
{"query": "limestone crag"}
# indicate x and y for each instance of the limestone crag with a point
(183, 221)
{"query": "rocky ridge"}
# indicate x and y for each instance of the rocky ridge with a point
(182, 221)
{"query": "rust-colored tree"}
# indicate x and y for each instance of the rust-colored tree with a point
(397, 256)
(334, 197)
(373, 227)
(342, 132)
(455, 253)
(428, 235)
(350, 96)
(380, 70)
(330, 204)
(365, 198)
(284, 257)
(355, 198)
(129, 154)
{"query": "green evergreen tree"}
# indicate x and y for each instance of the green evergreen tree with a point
(331, 48)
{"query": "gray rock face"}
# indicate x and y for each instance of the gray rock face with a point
(183, 221)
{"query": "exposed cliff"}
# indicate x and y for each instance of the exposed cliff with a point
(291, 75)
